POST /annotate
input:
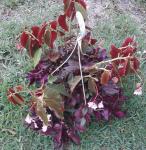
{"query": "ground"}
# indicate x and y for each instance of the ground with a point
(111, 21)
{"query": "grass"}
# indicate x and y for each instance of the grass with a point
(126, 134)
(141, 2)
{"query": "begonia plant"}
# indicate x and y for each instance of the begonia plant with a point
(75, 81)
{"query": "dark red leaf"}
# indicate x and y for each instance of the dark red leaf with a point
(66, 4)
(53, 56)
(13, 97)
(33, 46)
(65, 1)
(88, 28)
(122, 68)
(87, 37)
(128, 51)
(41, 33)
(35, 30)
(24, 39)
(114, 52)
(93, 41)
(127, 41)
(53, 25)
(136, 63)
(82, 2)
(70, 10)
(62, 22)
(53, 36)
(122, 71)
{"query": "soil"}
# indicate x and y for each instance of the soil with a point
(98, 9)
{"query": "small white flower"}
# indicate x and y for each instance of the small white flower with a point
(28, 119)
(92, 105)
(35, 125)
(138, 90)
(44, 128)
(100, 105)
(49, 117)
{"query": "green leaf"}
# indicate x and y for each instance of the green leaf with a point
(56, 106)
(83, 122)
(37, 57)
(53, 100)
(92, 86)
(51, 93)
(41, 112)
(47, 37)
(74, 82)
(58, 88)
(28, 43)
(81, 9)
(84, 111)
(51, 79)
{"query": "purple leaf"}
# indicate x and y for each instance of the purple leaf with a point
(120, 114)
(110, 89)
(106, 114)
(97, 115)
(102, 54)
(74, 137)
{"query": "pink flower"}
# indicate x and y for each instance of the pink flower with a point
(92, 105)
(28, 119)
(19, 47)
(138, 90)
(44, 128)
(100, 105)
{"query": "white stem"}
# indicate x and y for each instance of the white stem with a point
(81, 73)
(65, 60)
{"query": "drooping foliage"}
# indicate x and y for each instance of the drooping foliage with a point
(76, 82)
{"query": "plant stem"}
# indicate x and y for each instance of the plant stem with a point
(81, 73)
(65, 60)
(108, 61)
(31, 35)
(104, 62)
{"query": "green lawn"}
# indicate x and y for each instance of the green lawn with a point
(126, 134)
